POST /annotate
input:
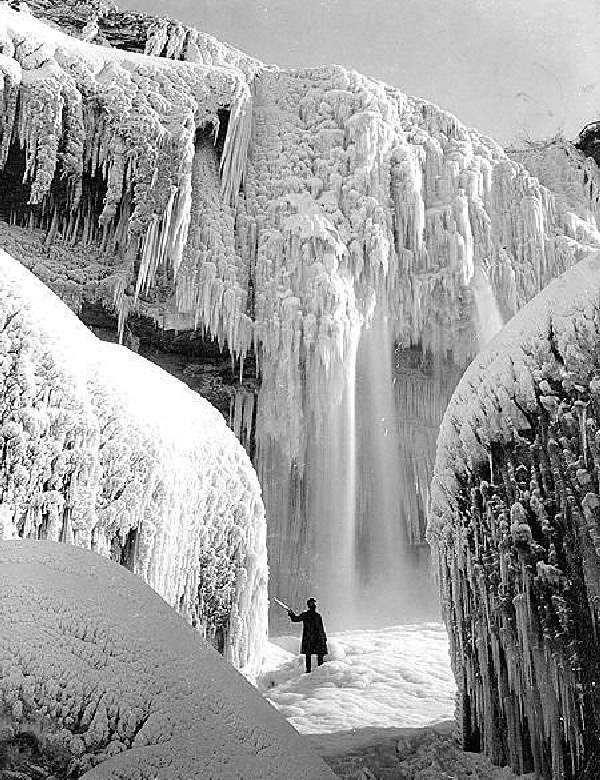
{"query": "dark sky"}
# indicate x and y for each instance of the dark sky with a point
(511, 68)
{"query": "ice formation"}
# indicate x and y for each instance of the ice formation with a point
(276, 210)
(104, 450)
(515, 527)
(93, 661)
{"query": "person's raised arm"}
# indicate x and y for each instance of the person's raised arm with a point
(294, 617)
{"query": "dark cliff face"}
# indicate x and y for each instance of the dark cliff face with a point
(190, 357)
(589, 141)
(529, 665)
(124, 30)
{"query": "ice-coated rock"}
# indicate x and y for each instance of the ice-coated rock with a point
(514, 523)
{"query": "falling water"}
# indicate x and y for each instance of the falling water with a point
(334, 500)
(489, 319)
(365, 573)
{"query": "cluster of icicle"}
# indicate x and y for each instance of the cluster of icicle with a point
(353, 194)
(114, 685)
(514, 523)
(104, 450)
(127, 120)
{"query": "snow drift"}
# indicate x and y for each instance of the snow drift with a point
(97, 663)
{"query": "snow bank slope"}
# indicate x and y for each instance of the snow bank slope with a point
(515, 523)
(89, 649)
(103, 449)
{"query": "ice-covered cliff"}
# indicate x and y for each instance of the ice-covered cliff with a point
(104, 450)
(115, 685)
(274, 211)
(515, 527)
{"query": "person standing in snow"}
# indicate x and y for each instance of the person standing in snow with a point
(314, 638)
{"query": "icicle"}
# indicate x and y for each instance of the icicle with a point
(235, 150)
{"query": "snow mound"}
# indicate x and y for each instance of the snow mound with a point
(105, 450)
(91, 654)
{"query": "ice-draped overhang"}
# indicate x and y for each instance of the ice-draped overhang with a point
(102, 669)
(80, 110)
(514, 522)
(105, 450)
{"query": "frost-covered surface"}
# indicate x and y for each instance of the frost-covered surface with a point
(96, 662)
(365, 194)
(515, 523)
(405, 754)
(103, 449)
(394, 677)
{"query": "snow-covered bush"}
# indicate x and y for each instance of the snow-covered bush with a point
(103, 449)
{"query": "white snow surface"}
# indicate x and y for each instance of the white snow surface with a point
(95, 660)
(100, 443)
(394, 677)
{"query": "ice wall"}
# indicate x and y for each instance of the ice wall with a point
(514, 526)
(104, 450)
(332, 193)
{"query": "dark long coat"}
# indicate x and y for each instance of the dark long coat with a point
(314, 638)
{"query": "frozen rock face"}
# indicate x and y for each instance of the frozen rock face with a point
(109, 677)
(514, 523)
(275, 211)
(103, 450)
(101, 22)
(574, 180)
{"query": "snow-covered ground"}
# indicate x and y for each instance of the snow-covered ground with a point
(95, 666)
(392, 677)
(382, 706)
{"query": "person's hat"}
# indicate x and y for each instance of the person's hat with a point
(311, 601)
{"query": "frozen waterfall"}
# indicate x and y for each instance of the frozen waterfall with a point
(365, 574)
